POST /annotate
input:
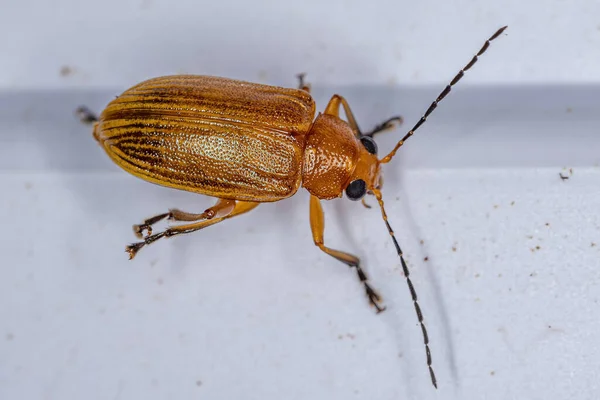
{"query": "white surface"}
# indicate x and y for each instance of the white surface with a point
(251, 309)
(118, 42)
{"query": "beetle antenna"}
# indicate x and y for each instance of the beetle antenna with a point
(411, 287)
(443, 94)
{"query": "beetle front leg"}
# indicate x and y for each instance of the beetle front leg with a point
(221, 213)
(337, 101)
(317, 225)
(388, 124)
(223, 207)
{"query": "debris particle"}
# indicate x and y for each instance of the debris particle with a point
(160, 281)
(263, 75)
(65, 71)
(533, 274)
(10, 337)
(198, 383)
(512, 203)
(537, 247)
(426, 259)
(492, 373)
(529, 236)
(547, 223)
(496, 206)
(422, 242)
(593, 244)
(477, 275)
(454, 248)
(28, 185)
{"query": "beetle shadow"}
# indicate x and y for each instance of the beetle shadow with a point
(420, 252)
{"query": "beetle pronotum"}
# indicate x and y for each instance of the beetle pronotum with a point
(246, 144)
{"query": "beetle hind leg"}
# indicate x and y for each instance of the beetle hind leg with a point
(181, 216)
(85, 115)
(222, 210)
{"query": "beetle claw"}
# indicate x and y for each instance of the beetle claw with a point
(138, 230)
(132, 249)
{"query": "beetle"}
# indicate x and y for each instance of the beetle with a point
(245, 144)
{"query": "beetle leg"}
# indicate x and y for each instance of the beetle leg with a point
(385, 125)
(223, 207)
(238, 208)
(333, 108)
(317, 225)
(302, 85)
(85, 115)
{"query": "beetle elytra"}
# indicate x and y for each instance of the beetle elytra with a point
(246, 144)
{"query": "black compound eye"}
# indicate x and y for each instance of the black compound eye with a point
(369, 144)
(356, 189)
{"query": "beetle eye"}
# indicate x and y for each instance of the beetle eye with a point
(356, 189)
(369, 144)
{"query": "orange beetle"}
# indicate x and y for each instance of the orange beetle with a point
(247, 144)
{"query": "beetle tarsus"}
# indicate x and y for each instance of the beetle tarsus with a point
(132, 249)
(85, 115)
(302, 85)
(385, 125)
(138, 230)
(374, 297)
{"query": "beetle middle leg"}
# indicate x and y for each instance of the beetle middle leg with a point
(237, 208)
(317, 225)
(223, 207)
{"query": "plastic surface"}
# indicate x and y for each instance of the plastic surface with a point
(251, 309)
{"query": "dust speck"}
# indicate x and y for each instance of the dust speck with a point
(340, 337)
(512, 203)
(569, 110)
(547, 223)
(422, 242)
(496, 206)
(492, 373)
(350, 336)
(263, 75)
(426, 259)
(499, 275)
(28, 185)
(593, 244)
(153, 262)
(533, 274)
(65, 71)
(477, 275)
(160, 281)
(454, 248)
(10, 337)
(198, 383)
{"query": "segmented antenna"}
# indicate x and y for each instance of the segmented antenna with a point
(413, 293)
(443, 94)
